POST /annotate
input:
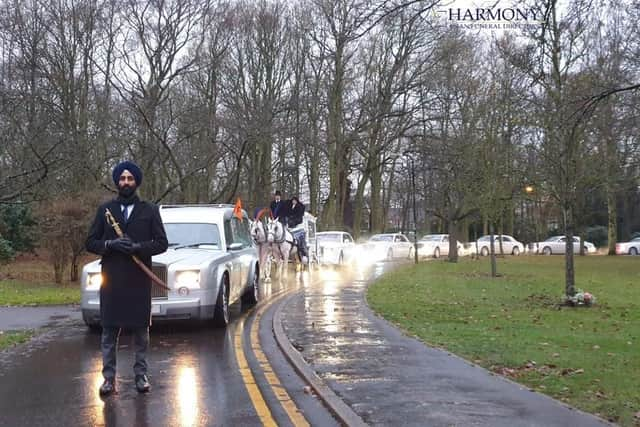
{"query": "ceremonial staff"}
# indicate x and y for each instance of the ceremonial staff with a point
(113, 223)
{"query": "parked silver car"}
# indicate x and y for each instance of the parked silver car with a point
(335, 247)
(387, 247)
(631, 248)
(557, 244)
(509, 245)
(435, 245)
(211, 263)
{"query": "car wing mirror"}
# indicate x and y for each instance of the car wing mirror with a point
(235, 246)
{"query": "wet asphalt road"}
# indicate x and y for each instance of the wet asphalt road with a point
(194, 372)
(18, 318)
(390, 379)
(198, 378)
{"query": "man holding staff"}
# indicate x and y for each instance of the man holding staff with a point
(125, 294)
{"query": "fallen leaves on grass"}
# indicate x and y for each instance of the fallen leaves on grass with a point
(542, 300)
(520, 371)
(571, 371)
(531, 366)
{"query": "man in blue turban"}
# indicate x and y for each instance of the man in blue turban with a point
(125, 292)
(127, 176)
(129, 166)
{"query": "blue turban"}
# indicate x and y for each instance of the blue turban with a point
(131, 167)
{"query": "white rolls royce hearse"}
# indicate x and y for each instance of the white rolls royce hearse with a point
(211, 263)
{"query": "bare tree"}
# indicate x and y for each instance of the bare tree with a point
(397, 57)
(153, 56)
(29, 142)
(345, 21)
(553, 59)
(256, 86)
(449, 148)
(68, 69)
(608, 64)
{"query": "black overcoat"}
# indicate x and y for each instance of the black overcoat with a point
(278, 209)
(125, 294)
(295, 213)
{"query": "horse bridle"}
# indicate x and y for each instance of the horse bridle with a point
(257, 234)
(270, 231)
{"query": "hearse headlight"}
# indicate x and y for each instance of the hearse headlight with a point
(94, 281)
(188, 279)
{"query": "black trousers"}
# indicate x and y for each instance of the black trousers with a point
(109, 347)
(301, 243)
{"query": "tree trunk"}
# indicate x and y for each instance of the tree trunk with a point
(509, 218)
(492, 250)
(264, 172)
(500, 233)
(453, 240)
(612, 224)
(377, 225)
(570, 289)
(357, 216)
(73, 276)
(314, 179)
(386, 195)
(337, 167)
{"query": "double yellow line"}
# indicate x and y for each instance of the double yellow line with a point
(259, 403)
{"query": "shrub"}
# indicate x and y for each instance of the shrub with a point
(17, 226)
(6, 251)
(598, 235)
(64, 223)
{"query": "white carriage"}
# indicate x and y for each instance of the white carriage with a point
(308, 224)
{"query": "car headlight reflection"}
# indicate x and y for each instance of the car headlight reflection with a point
(94, 281)
(188, 279)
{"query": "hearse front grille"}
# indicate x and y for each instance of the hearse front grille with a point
(157, 291)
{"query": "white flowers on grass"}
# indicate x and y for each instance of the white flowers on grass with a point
(581, 298)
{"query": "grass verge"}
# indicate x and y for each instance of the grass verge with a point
(514, 326)
(9, 339)
(18, 293)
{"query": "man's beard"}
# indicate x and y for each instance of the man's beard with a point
(126, 191)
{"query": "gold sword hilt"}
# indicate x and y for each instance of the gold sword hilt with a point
(116, 227)
(113, 223)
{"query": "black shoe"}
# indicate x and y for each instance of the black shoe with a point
(108, 386)
(142, 384)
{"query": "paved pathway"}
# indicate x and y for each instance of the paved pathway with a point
(388, 378)
(18, 318)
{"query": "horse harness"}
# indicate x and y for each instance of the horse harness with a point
(279, 241)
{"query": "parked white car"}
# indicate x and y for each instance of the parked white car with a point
(211, 263)
(335, 247)
(436, 245)
(388, 246)
(509, 245)
(555, 245)
(631, 248)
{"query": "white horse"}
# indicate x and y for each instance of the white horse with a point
(259, 236)
(282, 245)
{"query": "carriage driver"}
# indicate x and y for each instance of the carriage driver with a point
(295, 213)
(278, 207)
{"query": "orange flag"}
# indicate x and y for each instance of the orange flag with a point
(237, 209)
